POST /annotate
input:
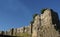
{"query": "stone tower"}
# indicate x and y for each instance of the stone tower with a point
(46, 24)
(36, 26)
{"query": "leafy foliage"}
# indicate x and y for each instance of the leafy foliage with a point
(34, 15)
(42, 11)
(32, 22)
(33, 18)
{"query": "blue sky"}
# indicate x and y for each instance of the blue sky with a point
(18, 13)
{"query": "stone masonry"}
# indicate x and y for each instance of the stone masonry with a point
(44, 25)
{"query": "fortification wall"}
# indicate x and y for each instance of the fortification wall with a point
(44, 25)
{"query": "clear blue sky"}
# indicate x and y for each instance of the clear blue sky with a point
(18, 13)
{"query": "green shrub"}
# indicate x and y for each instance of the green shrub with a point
(42, 11)
(32, 22)
(34, 16)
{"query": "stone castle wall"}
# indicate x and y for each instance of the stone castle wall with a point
(44, 25)
(48, 24)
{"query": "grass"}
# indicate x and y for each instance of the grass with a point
(23, 34)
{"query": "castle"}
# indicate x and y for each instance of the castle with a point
(45, 24)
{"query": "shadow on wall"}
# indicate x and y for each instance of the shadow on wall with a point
(59, 26)
(55, 20)
(8, 36)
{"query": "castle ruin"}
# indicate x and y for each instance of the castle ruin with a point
(45, 24)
